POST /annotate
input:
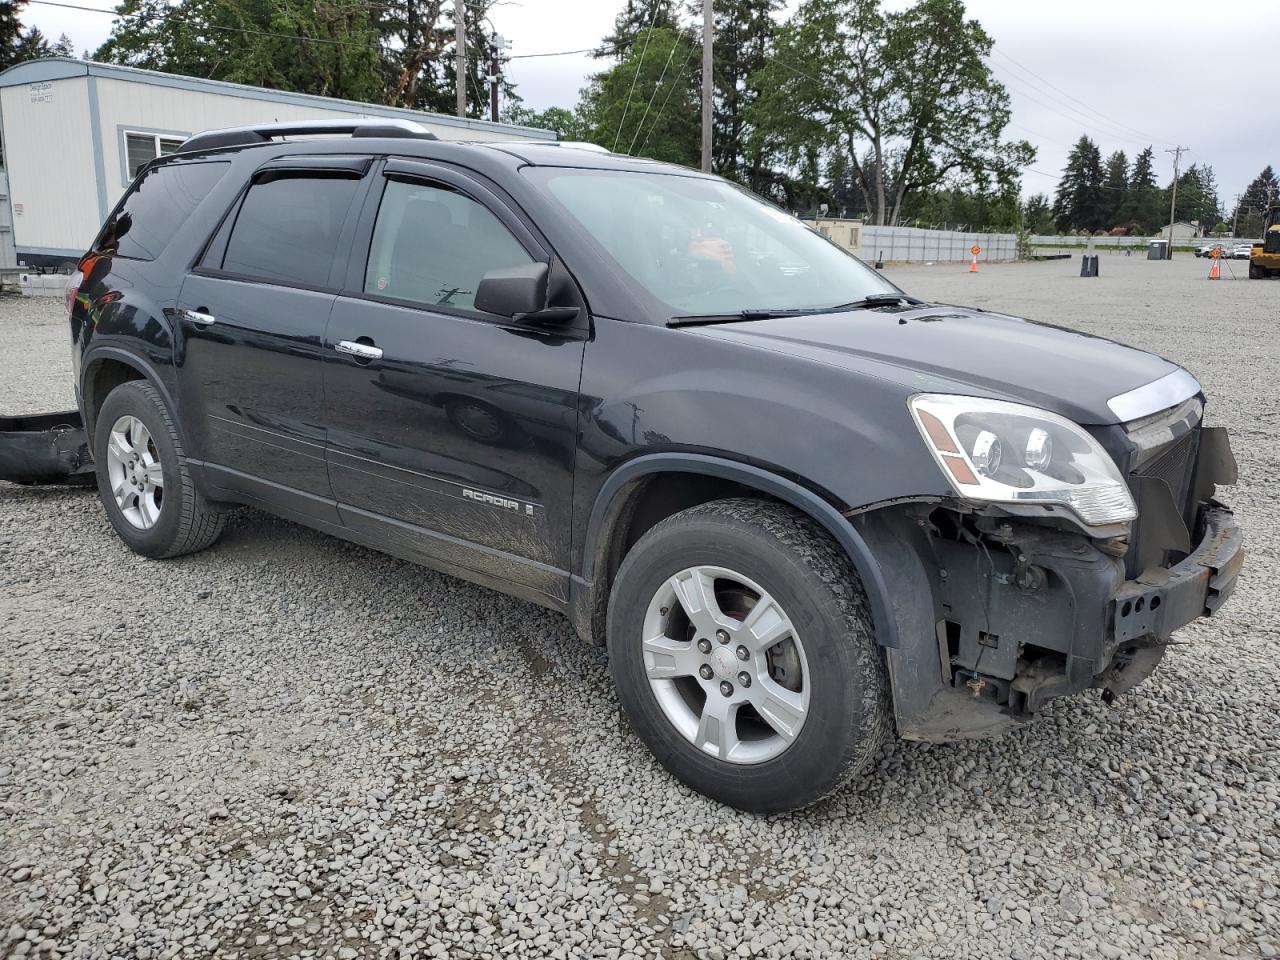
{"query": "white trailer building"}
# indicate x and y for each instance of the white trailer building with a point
(75, 132)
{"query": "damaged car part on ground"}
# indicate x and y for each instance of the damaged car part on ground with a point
(800, 507)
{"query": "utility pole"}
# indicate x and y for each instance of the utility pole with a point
(1173, 198)
(1235, 220)
(493, 77)
(708, 81)
(497, 44)
(460, 56)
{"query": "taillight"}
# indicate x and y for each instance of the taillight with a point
(72, 288)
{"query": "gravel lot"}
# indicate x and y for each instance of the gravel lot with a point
(291, 746)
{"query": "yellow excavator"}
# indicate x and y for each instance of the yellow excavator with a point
(1264, 258)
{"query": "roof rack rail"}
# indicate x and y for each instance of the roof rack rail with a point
(266, 132)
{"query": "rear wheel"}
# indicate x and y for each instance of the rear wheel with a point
(1256, 272)
(743, 652)
(143, 479)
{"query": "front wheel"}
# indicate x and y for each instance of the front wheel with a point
(1256, 272)
(743, 652)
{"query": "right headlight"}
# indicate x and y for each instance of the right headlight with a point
(1011, 453)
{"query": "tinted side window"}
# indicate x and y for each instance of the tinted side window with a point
(287, 229)
(432, 245)
(156, 207)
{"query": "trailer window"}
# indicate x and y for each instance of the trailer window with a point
(155, 207)
(140, 148)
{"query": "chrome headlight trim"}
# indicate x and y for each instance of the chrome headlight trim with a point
(1169, 391)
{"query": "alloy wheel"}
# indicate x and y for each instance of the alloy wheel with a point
(726, 665)
(135, 473)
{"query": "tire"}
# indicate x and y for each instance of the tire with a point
(801, 579)
(162, 514)
(1256, 272)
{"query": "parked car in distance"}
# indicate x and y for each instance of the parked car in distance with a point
(1241, 251)
(800, 508)
(1208, 248)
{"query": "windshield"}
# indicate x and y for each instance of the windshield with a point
(707, 248)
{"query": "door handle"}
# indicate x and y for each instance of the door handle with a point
(198, 317)
(361, 351)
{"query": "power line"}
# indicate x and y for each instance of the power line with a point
(675, 85)
(1113, 122)
(635, 76)
(1091, 125)
(653, 96)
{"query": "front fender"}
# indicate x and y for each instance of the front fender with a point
(808, 502)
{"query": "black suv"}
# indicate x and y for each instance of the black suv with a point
(801, 508)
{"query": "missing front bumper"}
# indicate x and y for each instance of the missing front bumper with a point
(1027, 613)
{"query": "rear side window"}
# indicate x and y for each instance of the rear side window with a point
(287, 229)
(156, 207)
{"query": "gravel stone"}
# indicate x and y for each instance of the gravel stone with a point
(288, 745)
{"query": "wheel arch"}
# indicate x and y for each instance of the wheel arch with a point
(105, 368)
(620, 495)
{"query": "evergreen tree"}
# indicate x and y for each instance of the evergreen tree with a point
(636, 17)
(1197, 200)
(1141, 209)
(10, 31)
(63, 47)
(1078, 203)
(18, 45)
(1115, 188)
(744, 32)
(1250, 212)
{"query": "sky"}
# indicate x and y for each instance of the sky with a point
(1127, 72)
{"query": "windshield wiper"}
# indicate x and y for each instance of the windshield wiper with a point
(876, 300)
(766, 313)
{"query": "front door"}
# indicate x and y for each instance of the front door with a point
(253, 315)
(451, 431)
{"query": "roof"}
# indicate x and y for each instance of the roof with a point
(63, 68)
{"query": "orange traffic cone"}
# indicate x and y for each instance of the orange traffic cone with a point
(973, 265)
(1214, 272)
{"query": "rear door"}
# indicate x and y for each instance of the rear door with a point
(455, 438)
(253, 315)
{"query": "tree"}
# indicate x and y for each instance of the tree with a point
(418, 55)
(1037, 215)
(567, 124)
(645, 105)
(910, 86)
(18, 45)
(744, 31)
(1197, 199)
(1250, 212)
(1142, 203)
(330, 48)
(636, 17)
(63, 47)
(1115, 187)
(1078, 203)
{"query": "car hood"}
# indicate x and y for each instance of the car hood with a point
(945, 349)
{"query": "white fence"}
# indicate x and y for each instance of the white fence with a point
(910, 244)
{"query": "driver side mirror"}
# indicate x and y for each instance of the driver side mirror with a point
(519, 293)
